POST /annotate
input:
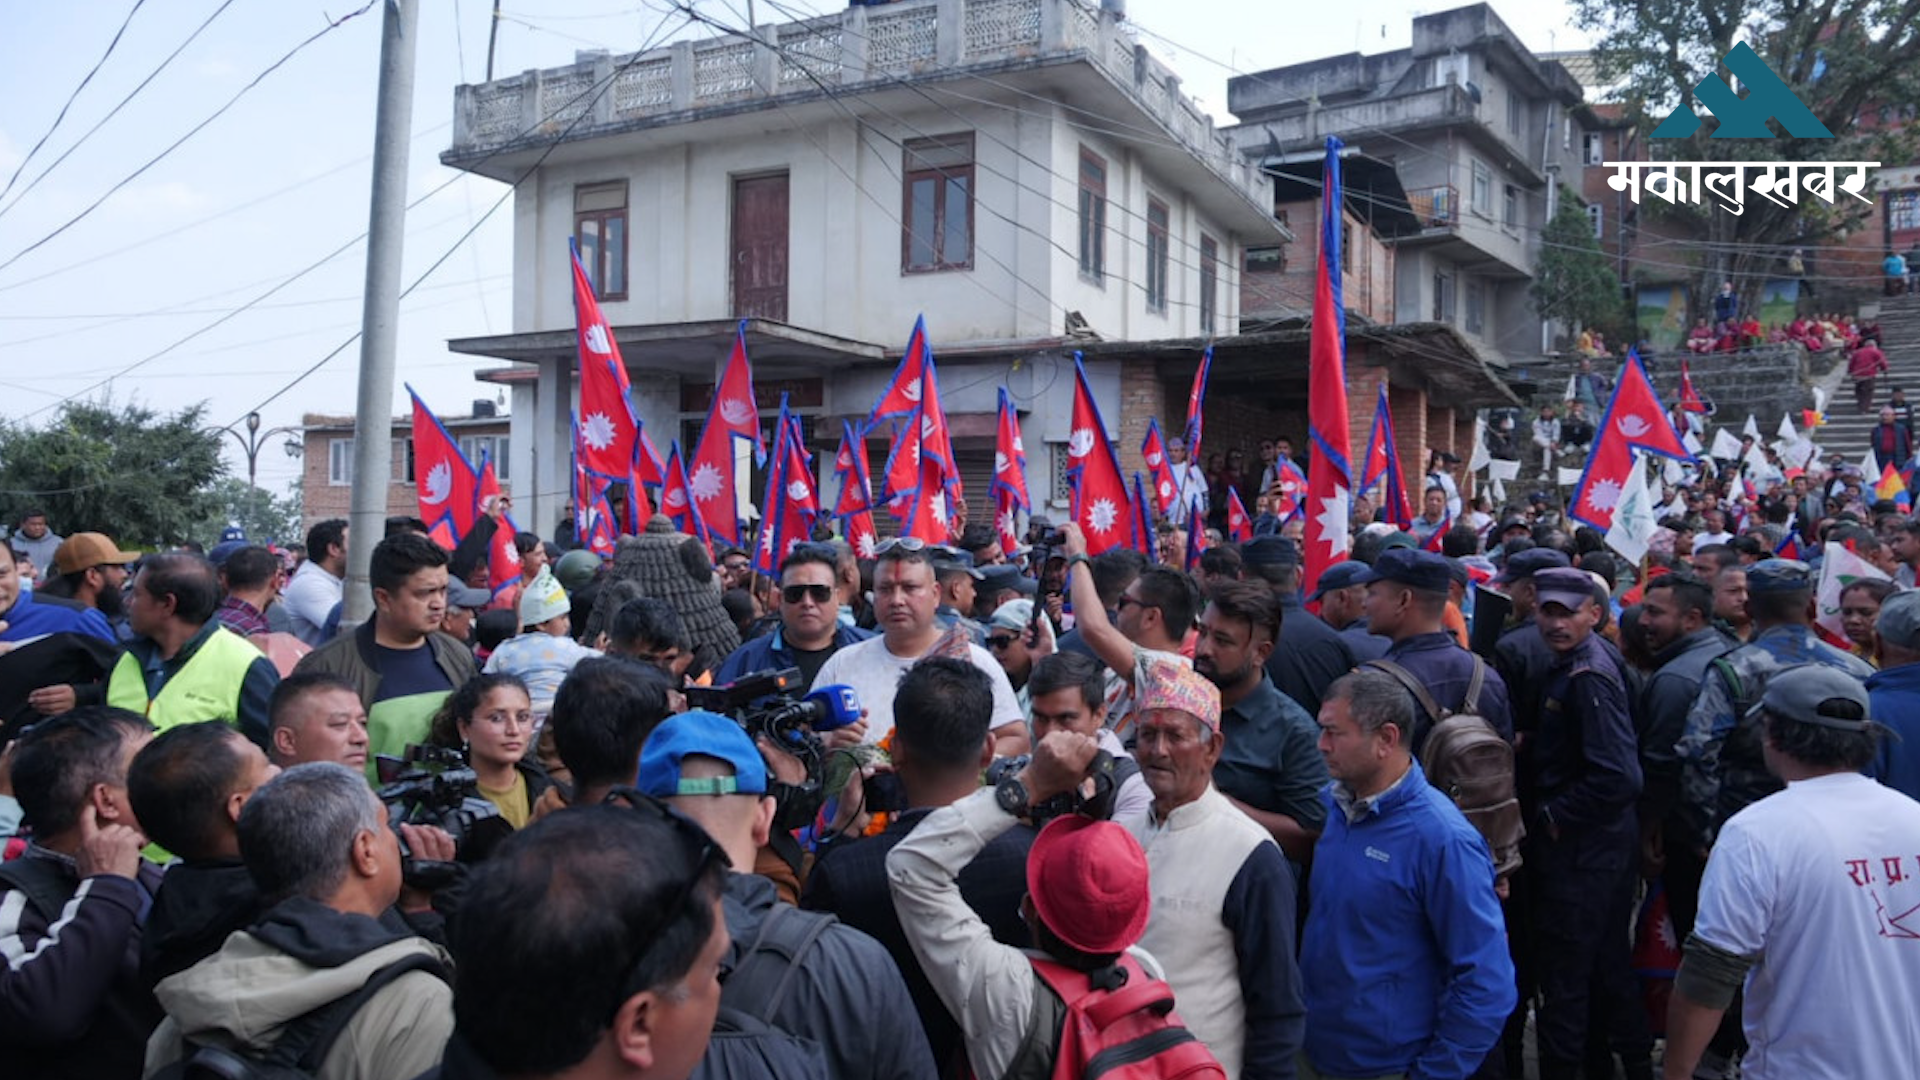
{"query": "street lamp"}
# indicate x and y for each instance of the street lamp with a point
(251, 442)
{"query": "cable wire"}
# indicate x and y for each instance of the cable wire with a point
(73, 97)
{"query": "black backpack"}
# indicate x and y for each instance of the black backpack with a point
(746, 1043)
(303, 1045)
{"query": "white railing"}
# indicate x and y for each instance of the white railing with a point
(860, 46)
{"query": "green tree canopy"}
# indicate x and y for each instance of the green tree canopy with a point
(121, 469)
(1575, 283)
(265, 517)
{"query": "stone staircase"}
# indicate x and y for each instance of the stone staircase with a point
(1846, 431)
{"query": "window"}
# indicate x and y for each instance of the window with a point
(1442, 297)
(1594, 214)
(600, 228)
(1209, 281)
(938, 222)
(1482, 194)
(1346, 247)
(1510, 207)
(493, 447)
(1476, 306)
(1566, 133)
(1903, 210)
(1516, 112)
(1451, 68)
(1156, 256)
(1093, 215)
(1061, 459)
(1593, 148)
(1266, 260)
(340, 462)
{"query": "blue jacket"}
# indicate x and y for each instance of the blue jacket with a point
(771, 651)
(28, 619)
(1404, 960)
(1893, 698)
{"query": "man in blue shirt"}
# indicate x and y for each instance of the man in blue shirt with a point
(21, 619)
(1342, 597)
(1895, 693)
(809, 630)
(1404, 960)
(1407, 602)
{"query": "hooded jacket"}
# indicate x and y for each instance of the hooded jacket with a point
(300, 956)
(198, 905)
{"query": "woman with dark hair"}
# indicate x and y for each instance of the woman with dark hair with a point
(490, 720)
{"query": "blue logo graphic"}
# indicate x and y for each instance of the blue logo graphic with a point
(1745, 118)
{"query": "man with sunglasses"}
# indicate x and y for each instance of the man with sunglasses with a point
(904, 598)
(809, 631)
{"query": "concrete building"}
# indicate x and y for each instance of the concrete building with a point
(1479, 131)
(1022, 172)
(326, 481)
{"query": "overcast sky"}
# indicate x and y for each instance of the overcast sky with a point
(280, 180)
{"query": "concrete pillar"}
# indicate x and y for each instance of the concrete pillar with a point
(552, 450)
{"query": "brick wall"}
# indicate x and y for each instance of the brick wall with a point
(321, 499)
(1367, 287)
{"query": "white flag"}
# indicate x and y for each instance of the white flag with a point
(1480, 457)
(1752, 430)
(1633, 524)
(1498, 490)
(1870, 465)
(1570, 395)
(1838, 569)
(1786, 431)
(1692, 443)
(1725, 446)
(1819, 400)
(1570, 477)
(1503, 470)
(1672, 471)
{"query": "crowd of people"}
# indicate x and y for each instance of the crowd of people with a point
(1209, 817)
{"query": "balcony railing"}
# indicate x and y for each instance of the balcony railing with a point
(859, 48)
(1437, 207)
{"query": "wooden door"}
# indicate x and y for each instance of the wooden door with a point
(760, 247)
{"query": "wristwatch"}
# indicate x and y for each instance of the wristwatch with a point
(1011, 794)
(1071, 562)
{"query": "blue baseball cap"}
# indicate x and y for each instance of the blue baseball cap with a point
(1338, 576)
(1413, 568)
(700, 733)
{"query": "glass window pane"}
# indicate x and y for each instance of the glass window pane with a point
(920, 224)
(616, 256)
(954, 249)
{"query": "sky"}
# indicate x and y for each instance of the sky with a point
(137, 298)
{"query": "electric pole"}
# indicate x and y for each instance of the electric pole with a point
(379, 320)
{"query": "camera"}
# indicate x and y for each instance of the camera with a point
(1098, 806)
(774, 705)
(432, 785)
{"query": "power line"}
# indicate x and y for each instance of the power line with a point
(73, 97)
(191, 132)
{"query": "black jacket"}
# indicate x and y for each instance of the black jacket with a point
(197, 906)
(1308, 657)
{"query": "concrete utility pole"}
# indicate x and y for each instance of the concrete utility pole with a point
(380, 318)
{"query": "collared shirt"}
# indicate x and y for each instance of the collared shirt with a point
(310, 597)
(1271, 760)
(241, 617)
(1355, 807)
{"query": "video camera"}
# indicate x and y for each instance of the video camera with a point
(1098, 806)
(772, 705)
(433, 785)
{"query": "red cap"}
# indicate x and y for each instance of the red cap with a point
(1088, 880)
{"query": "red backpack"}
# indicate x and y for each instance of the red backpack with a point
(1126, 1032)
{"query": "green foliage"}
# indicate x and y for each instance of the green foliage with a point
(1575, 283)
(1866, 53)
(124, 470)
(266, 518)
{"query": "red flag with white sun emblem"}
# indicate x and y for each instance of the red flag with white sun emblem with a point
(676, 496)
(732, 418)
(446, 484)
(854, 507)
(1100, 504)
(1239, 525)
(609, 431)
(1153, 450)
(792, 502)
(1009, 476)
(1634, 420)
(902, 395)
(1329, 474)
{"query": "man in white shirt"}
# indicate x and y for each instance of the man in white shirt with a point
(1812, 900)
(1716, 530)
(1188, 480)
(904, 598)
(316, 587)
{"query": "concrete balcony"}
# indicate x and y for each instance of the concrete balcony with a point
(1449, 104)
(858, 50)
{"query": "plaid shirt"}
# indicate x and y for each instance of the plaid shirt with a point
(241, 617)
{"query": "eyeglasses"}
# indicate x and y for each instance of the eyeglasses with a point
(819, 594)
(707, 854)
(1002, 642)
(1121, 604)
(902, 543)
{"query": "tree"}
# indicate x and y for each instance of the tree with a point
(1574, 283)
(124, 470)
(264, 517)
(1839, 57)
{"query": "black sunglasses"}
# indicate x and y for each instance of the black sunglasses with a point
(819, 594)
(1000, 642)
(693, 838)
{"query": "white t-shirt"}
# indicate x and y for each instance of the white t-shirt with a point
(1701, 540)
(1822, 883)
(310, 596)
(875, 673)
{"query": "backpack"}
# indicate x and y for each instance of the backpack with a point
(303, 1044)
(1466, 758)
(1117, 1023)
(746, 1043)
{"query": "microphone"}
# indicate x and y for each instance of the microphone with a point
(832, 707)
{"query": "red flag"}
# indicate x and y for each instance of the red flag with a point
(854, 507)
(1142, 518)
(1383, 463)
(1292, 489)
(444, 479)
(676, 499)
(1196, 537)
(1689, 400)
(1435, 542)
(489, 488)
(1196, 399)
(1634, 420)
(1329, 474)
(1153, 450)
(903, 392)
(1009, 476)
(609, 431)
(792, 502)
(733, 417)
(924, 433)
(1239, 525)
(1100, 504)
(927, 513)
(503, 558)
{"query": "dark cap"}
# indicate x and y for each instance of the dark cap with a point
(1415, 569)
(1525, 564)
(1779, 576)
(1565, 586)
(1808, 693)
(995, 578)
(1398, 538)
(1511, 523)
(1338, 576)
(1270, 551)
(947, 561)
(1899, 621)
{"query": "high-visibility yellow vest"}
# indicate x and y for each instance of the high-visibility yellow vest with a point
(207, 688)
